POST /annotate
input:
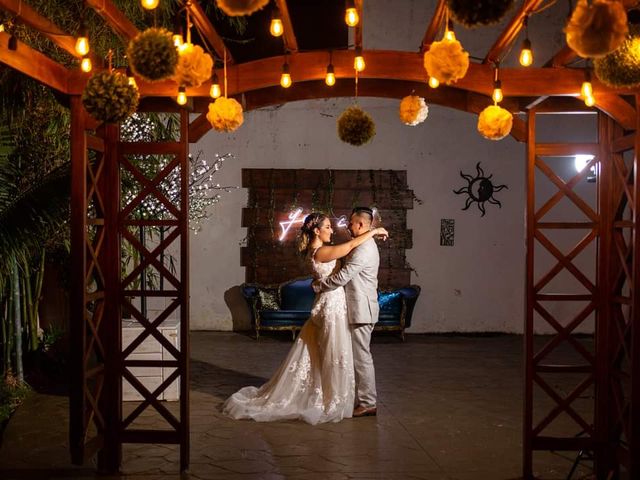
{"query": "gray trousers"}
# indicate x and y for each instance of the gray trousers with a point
(363, 364)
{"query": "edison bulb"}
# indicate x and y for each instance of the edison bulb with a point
(330, 78)
(132, 81)
(276, 27)
(358, 63)
(85, 64)
(450, 35)
(149, 4)
(215, 91)
(82, 44)
(526, 55)
(351, 17)
(182, 96)
(285, 80)
(433, 82)
(178, 41)
(497, 95)
(590, 101)
(586, 90)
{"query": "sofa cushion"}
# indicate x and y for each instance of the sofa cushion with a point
(268, 299)
(297, 295)
(390, 303)
(272, 318)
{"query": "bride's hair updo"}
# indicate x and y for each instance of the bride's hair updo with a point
(311, 222)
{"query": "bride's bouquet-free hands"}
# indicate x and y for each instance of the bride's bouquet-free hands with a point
(381, 232)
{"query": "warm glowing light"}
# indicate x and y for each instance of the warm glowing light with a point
(581, 161)
(526, 55)
(285, 79)
(185, 47)
(1, 27)
(351, 17)
(85, 64)
(587, 89)
(215, 91)
(450, 35)
(358, 61)
(149, 4)
(82, 42)
(330, 78)
(182, 96)
(433, 82)
(590, 101)
(497, 95)
(276, 27)
(178, 41)
(132, 81)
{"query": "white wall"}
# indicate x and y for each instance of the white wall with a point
(476, 285)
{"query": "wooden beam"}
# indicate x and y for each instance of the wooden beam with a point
(384, 88)
(558, 105)
(34, 64)
(115, 18)
(358, 29)
(618, 109)
(289, 36)
(204, 25)
(511, 31)
(28, 16)
(434, 25)
(564, 56)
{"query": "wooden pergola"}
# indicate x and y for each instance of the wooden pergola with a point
(100, 224)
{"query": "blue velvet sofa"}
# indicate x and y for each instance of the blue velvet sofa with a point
(287, 306)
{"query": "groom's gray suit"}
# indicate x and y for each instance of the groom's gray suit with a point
(359, 276)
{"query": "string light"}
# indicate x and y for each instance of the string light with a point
(215, 91)
(351, 16)
(586, 90)
(449, 34)
(1, 27)
(497, 95)
(149, 4)
(82, 42)
(131, 78)
(85, 64)
(433, 82)
(178, 31)
(182, 96)
(358, 61)
(590, 101)
(276, 28)
(330, 78)
(526, 54)
(285, 78)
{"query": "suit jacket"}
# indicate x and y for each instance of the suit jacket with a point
(359, 277)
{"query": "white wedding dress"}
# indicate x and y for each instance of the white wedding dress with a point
(316, 381)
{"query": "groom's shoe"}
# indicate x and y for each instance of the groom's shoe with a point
(361, 411)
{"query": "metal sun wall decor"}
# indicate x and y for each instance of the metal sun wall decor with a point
(480, 189)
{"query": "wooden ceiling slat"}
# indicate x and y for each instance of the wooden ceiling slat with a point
(511, 31)
(34, 64)
(31, 18)
(618, 109)
(115, 18)
(204, 25)
(562, 58)
(289, 36)
(434, 25)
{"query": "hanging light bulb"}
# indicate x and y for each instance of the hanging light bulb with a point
(351, 16)
(178, 32)
(1, 27)
(497, 95)
(590, 101)
(131, 78)
(285, 78)
(149, 4)
(587, 89)
(182, 96)
(330, 77)
(82, 42)
(526, 55)
(215, 91)
(85, 64)
(433, 82)
(449, 34)
(358, 61)
(276, 28)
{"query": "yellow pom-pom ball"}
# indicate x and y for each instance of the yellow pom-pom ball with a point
(597, 29)
(495, 122)
(236, 8)
(446, 61)
(413, 110)
(194, 66)
(225, 114)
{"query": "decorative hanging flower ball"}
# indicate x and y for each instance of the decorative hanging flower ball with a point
(413, 110)
(355, 126)
(446, 61)
(194, 66)
(109, 98)
(152, 54)
(225, 114)
(472, 13)
(237, 8)
(494, 122)
(620, 68)
(597, 28)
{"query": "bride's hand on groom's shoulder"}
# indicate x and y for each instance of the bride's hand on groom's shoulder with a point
(381, 232)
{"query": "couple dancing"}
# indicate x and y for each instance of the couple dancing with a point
(328, 374)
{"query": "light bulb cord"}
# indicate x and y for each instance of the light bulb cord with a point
(224, 63)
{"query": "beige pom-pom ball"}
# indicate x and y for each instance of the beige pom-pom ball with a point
(494, 122)
(413, 110)
(446, 61)
(225, 114)
(597, 29)
(194, 66)
(237, 8)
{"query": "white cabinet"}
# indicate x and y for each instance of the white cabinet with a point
(151, 349)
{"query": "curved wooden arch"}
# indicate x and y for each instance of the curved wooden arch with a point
(316, 89)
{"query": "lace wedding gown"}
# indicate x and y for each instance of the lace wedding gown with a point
(316, 381)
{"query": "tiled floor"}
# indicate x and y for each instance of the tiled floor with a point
(449, 408)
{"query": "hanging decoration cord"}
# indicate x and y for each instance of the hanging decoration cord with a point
(356, 85)
(224, 63)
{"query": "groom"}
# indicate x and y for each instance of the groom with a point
(359, 276)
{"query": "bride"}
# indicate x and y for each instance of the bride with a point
(316, 382)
